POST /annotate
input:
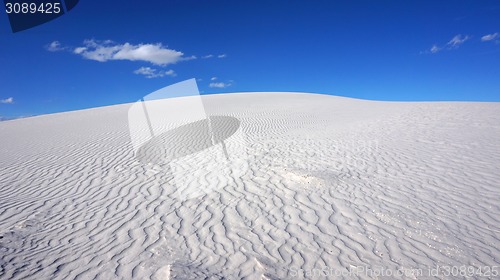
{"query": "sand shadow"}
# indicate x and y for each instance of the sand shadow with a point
(188, 139)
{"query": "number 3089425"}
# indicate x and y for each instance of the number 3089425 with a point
(33, 8)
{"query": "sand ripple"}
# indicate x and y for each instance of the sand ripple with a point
(329, 182)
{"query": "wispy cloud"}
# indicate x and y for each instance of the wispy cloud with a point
(458, 40)
(9, 100)
(211, 56)
(435, 49)
(55, 46)
(190, 57)
(108, 50)
(490, 37)
(219, 85)
(149, 72)
(454, 43)
(213, 78)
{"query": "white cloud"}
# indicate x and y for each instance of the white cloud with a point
(79, 50)
(458, 40)
(9, 100)
(190, 57)
(108, 50)
(170, 73)
(145, 71)
(219, 85)
(435, 49)
(211, 56)
(149, 72)
(54, 47)
(454, 43)
(490, 37)
(213, 78)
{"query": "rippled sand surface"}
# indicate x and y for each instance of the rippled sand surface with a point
(285, 185)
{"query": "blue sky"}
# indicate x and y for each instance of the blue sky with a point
(110, 52)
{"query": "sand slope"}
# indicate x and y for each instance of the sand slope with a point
(315, 182)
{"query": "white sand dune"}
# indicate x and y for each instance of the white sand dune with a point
(307, 182)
